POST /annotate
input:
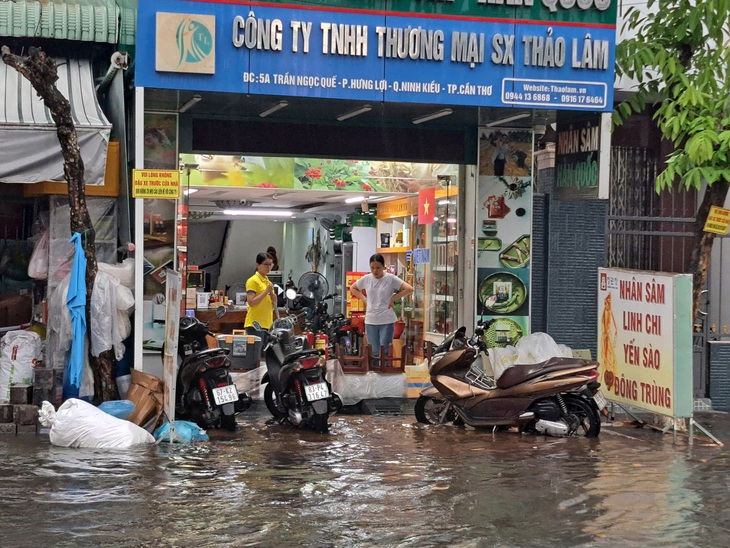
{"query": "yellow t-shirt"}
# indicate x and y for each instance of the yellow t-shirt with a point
(264, 311)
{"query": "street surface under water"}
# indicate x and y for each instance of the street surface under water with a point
(372, 481)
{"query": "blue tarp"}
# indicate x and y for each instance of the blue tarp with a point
(76, 302)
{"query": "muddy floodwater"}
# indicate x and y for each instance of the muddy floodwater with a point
(372, 481)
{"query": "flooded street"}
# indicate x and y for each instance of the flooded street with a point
(372, 481)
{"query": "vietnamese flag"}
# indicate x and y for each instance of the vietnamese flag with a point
(426, 205)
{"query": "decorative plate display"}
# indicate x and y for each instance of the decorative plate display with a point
(503, 332)
(502, 293)
(517, 254)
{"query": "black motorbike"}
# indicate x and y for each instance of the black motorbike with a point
(296, 390)
(205, 392)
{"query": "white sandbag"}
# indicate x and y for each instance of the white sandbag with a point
(19, 353)
(80, 424)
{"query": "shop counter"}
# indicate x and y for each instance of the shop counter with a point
(233, 319)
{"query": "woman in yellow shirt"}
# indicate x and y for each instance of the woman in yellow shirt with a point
(260, 298)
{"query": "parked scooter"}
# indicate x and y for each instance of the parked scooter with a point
(205, 392)
(296, 388)
(558, 397)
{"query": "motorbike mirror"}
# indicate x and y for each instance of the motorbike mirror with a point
(291, 294)
(220, 311)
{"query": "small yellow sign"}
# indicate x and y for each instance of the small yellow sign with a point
(156, 183)
(718, 220)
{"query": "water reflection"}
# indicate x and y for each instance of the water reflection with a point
(373, 481)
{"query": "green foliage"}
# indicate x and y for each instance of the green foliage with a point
(680, 54)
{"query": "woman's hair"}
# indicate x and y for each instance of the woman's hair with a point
(377, 258)
(261, 257)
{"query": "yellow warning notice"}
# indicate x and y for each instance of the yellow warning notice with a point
(718, 220)
(156, 183)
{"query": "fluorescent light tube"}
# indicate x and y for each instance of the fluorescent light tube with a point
(278, 106)
(189, 191)
(254, 212)
(509, 119)
(357, 112)
(354, 199)
(433, 116)
(190, 104)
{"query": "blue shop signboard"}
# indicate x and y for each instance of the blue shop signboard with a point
(383, 55)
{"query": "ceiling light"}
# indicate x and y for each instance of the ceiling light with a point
(188, 191)
(259, 212)
(190, 104)
(357, 112)
(273, 108)
(433, 116)
(354, 199)
(509, 119)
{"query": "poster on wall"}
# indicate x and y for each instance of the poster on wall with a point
(160, 141)
(645, 339)
(504, 224)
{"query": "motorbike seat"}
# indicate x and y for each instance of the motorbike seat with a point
(301, 354)
(523, 372)
(206, 354)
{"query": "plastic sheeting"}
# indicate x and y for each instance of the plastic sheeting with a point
(533, 348)
(355, 388)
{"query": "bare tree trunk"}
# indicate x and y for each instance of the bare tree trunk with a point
(702, 251)
(40, 70)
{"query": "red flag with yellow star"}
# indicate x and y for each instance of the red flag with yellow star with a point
(426, 205)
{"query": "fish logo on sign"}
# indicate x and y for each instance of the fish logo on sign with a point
(185, 43)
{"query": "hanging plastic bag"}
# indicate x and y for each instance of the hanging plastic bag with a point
(38, 265)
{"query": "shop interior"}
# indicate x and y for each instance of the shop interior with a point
(321, 238)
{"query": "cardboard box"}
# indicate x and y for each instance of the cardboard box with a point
(147, 393)
(15, 309)
(417, 379)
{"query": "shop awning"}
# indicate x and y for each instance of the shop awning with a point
(29, 148)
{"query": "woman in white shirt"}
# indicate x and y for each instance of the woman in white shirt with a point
(379, 290)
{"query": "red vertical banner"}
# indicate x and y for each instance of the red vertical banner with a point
(426, 205)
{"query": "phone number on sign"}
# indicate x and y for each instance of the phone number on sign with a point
(547, 98)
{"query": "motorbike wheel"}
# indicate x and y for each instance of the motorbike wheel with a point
(429, 411)
(589, 421)
(228, 422)
(320, 423)
(273, 403)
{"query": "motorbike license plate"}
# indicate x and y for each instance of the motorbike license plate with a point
(316, 392)
(600, 400)
(225, 394)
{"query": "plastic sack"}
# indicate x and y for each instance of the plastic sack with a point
(120, 409)
(19, 353)
(38, 265)
(185, 432)
(80, 424)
